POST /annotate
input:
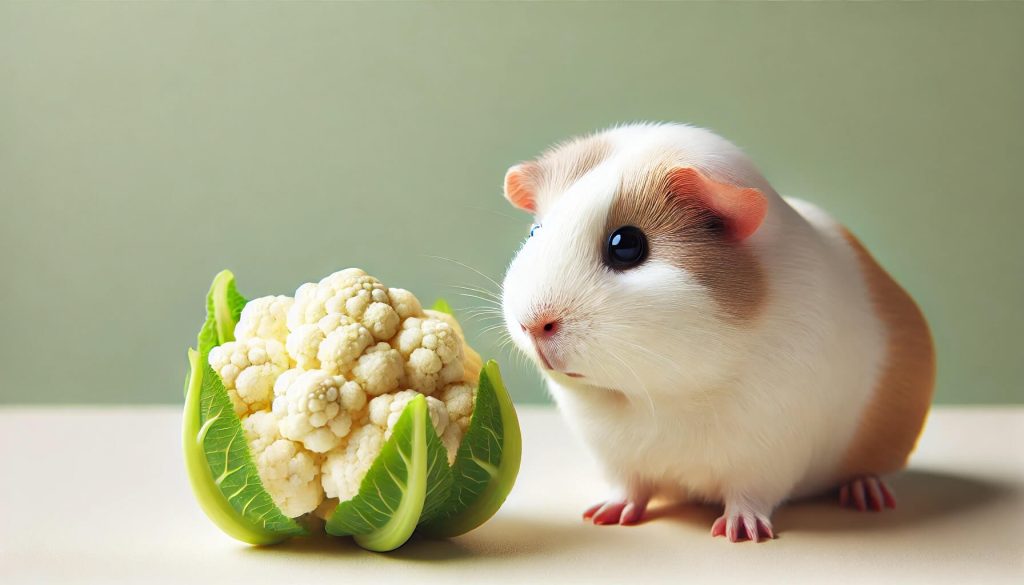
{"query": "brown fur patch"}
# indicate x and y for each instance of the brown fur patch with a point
(684, 233)
(895, 414)
(564, 164)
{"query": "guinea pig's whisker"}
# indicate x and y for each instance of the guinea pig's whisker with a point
(479, 298)
(466, 266)
(484, 319)
(484, 313)
(479, 290)
(486, 308)
(517, 220)
(643, 386)
(499, 327)
(672, 365)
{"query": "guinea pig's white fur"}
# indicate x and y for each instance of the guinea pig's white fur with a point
(675, 399)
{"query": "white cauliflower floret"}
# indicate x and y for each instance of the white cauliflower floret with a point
(289, 473)
(387, 409)
(405, 303)
(303, 344)
(354, 291)
(471, 361)
(382, 321)
(458, 399)
(249, 369)
(284, 381)
(266, 318)
(433, 352)
(317, 409)
(349, 292)
(341, 348)
(260, 431)
(291, 476)
(344, 468)
(380, 369)
(451, 439)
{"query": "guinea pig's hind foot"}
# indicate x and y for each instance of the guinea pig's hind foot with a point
(624, 512)
(866, 493)
(740, 523)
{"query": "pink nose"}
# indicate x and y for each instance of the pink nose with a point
(541, 328)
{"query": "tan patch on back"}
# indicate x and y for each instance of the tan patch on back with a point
(896, 411)
(564, 164)
(686, 234)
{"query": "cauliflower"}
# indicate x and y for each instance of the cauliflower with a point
(349, 292)
(290, 474)
(380, 369)
(458, 400)
(344, 469)
(321, 380)
(342, 347)
(471, 363)
(385, 410)
(316, 408)
(433, 353)
(303, 343)
(265, 318)
(381, 320)
(404, 303)
(347, 389)
(249, 369)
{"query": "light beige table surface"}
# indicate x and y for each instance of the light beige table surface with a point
(100, 495)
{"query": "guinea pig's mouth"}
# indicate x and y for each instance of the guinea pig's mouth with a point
(547, 363)
(573, 375)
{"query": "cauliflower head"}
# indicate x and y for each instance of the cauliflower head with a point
(320, 380)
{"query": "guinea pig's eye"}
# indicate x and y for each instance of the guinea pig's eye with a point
(534, 228)
(627, 247)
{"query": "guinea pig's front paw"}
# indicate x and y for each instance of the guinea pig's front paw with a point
(743, 522)
(625, 512)
(866, 493)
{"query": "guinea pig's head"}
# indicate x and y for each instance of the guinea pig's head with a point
(639, 267)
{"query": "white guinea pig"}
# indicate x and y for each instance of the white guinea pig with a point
(706, 338)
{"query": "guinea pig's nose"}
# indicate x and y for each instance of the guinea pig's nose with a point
(541, 328)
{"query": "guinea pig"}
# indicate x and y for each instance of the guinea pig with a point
(706, 338)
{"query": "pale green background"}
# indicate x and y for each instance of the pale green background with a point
(145, 146)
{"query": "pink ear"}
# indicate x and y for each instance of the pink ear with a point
(741, 209)
(520, 188)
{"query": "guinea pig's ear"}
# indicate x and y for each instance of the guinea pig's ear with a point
(520, 186)
(741, 209)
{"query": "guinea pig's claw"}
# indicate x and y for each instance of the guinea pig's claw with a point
(743, 526)
(616, 512)
(866, 493)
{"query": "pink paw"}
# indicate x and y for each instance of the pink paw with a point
(625, 513)
(743, 525)
(866, 493)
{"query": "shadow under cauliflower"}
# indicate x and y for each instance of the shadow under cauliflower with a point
(319, 381)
